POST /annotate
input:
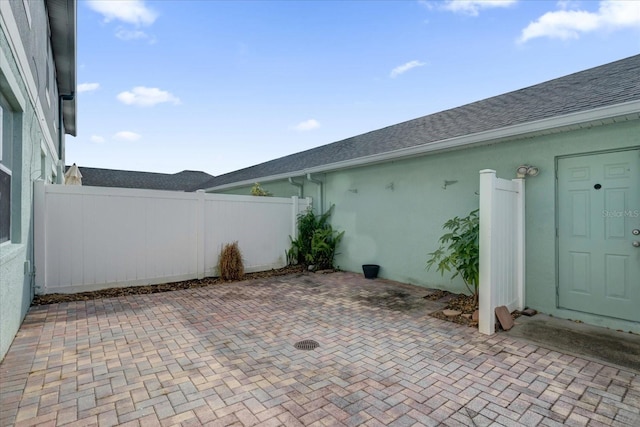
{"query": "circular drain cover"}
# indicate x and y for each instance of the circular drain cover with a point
(306, 345)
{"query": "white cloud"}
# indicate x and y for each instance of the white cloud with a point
(307, 125)
(87, 87)
(124, 34)
(129, 11)
(570, 24)
(469, 7)
(568, 4)
(97, 139)
(126, 135)
(147, 97)
(401, 69)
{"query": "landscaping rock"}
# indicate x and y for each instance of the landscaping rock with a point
(504, 317)
(451, 313)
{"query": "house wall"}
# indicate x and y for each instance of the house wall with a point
(393, 212)
(34, 152)
(396, 216)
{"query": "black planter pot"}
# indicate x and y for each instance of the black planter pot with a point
(370, 270)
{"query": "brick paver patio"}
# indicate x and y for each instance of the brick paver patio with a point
(224, 355)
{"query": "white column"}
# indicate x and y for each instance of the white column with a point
(201, 228)
(295, 208)
(521, 259)
(39, 235)
(486, 320)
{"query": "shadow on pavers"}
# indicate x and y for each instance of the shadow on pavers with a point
(592, 342)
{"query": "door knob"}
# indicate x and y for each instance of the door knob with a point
(636, 244)
(635, 232)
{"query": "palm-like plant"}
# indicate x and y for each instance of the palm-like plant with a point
(317, 241)
(460, 251)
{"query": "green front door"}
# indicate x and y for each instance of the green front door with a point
(598, 218)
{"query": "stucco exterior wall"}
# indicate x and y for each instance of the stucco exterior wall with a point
(33, 159)
(393, 212)
(395, 218)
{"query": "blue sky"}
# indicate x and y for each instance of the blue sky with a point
(216, 86)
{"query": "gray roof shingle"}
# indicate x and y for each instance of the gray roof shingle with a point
(602, 86)
(182, 181)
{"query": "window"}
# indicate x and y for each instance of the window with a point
(5, 173)
(5, 205)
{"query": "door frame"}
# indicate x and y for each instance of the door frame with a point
(557, 218)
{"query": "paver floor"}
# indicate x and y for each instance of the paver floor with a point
(224, 355)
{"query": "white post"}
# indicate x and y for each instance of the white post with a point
(486, 320)
(521, 260)
(295, 206)
(39, 235)
(200, 237)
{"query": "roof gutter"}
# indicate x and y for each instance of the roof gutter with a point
(595, 117)
(63, 25)
(296, 184)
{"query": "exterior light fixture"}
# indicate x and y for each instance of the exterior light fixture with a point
(526, 170)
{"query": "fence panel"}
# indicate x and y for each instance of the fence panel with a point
(262, 232)
(502, 267)
(90, 238)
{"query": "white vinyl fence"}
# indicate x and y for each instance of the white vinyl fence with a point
(89, 238)
(502, 266)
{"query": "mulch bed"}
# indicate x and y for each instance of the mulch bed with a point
(466, 304)
(152, 289)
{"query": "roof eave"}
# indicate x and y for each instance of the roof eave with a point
(62, 22)
(594, 117)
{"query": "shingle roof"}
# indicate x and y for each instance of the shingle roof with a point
(181, 181)
(602, 86)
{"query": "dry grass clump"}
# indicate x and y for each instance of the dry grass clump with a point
(230, 265)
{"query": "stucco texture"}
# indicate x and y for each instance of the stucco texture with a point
(29, 164)
(392, 213)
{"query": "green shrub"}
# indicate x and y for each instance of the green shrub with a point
(230, 264)
(317, 241)
(460, 251)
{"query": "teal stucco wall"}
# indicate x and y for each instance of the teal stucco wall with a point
(392, 213)
(33, 158)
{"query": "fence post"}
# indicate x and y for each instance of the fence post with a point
(486, 320)
(39, 235)
(520, 237)
(200, 237)
(295, 206)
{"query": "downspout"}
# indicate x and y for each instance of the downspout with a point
(319, 183)
(296, 184)
(63, 97)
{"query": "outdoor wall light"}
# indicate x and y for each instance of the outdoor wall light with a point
(524, 170)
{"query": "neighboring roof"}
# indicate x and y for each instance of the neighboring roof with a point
(62, 22)
(181, 181)
(574, 98)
